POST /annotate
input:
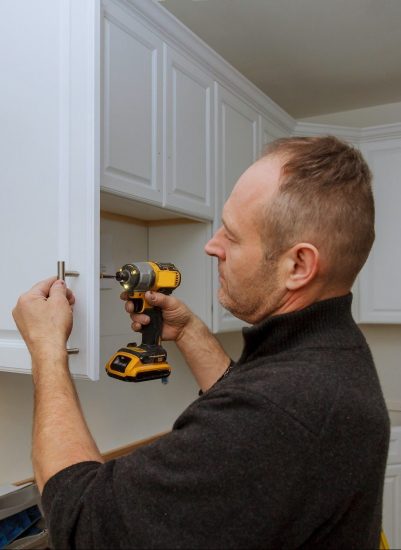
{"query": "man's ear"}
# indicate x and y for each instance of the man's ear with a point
(302, 263)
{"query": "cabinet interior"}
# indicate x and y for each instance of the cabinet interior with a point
(144, 232)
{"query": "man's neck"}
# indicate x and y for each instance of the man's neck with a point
(300, 299)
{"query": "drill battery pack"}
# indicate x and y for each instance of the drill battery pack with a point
(139, 363)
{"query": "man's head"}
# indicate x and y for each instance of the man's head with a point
(297, 228)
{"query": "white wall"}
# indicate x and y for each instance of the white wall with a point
(360, 118)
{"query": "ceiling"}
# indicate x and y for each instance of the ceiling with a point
(311, 57)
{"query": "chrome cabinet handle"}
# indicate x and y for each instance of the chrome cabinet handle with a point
(62, 274)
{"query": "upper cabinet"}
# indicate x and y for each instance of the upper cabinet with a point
(157, 118)
(380, 288)
(132, 107)
(189, 116)
(49, 135)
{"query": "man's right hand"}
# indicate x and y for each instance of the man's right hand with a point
(200, 349)
(176, 315)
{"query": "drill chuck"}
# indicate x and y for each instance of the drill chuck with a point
(122, 276)
(143, 276)
(139, 277)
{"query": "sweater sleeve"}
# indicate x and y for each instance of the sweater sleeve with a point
(228, 475)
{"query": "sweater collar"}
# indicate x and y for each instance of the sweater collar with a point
(327, 322)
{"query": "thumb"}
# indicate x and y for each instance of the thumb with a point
(58, 288)
(157, 299)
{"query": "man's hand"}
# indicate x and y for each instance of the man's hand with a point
(176, 315)
(60, 435)
(202, 352)
(43, 315)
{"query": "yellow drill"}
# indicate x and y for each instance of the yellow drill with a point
(147, 361)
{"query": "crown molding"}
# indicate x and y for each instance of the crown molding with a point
(385, 131)
(349, 133)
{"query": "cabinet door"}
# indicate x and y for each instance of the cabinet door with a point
(189, 136)
(379, 281)
(237, 147)
(132, 106)
(49, 51)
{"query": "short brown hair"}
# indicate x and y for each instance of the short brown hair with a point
(325, 198)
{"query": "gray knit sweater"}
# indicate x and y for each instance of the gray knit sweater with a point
(286, 451)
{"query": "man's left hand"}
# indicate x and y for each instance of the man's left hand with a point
(44, 317)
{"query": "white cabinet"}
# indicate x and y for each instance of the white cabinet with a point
(189, 104)
(380, 288)
(49, 157)
(237, 147)
(117, 94)
(392, 491)
(132, 106)
(158, 118)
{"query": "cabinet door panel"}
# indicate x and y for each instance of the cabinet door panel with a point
(237, 147)
(132, 107)
(380, 289)
(189, 136)
(49, 158)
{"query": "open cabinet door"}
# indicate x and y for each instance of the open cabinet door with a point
(49, 133)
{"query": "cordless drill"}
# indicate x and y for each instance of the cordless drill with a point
(147, 361)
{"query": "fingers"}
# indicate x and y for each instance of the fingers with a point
(156, 299)
(140, 318)
(58, 288)
(50, 287)
(70, 297)
(163, 301)
(137, 327)
(43, 287)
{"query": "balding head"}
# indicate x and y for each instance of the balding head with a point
(325, 198)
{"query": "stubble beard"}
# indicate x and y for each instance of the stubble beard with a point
(256, 302)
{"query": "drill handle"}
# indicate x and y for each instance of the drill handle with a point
(151, 333)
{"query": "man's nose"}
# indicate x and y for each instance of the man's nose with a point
(214, 246)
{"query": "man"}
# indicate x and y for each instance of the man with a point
(285, 448)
